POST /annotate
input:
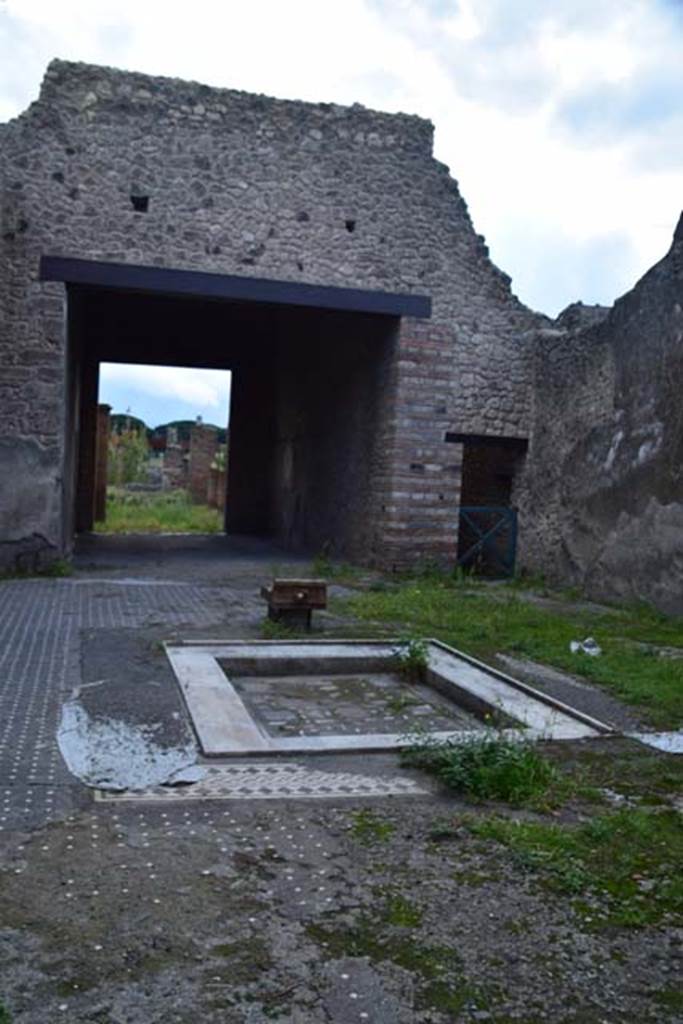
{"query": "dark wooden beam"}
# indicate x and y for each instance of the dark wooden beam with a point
(198, 283)
(519, 444)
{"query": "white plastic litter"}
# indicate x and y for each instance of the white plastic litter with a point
(587, 646)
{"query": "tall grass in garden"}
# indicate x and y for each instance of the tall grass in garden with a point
(157, 512)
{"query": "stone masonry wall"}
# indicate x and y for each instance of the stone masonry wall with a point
(602, 504)
(115, 166)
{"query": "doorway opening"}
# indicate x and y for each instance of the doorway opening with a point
(161, 449)
(487, 527)
(310, 397)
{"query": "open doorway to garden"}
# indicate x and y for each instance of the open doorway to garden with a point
(311, 392)
(162, 449)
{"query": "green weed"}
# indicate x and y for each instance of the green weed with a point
(368, 828)
(4, 1015)
(398, 702)
(57, 569)
(397, 910)
(487, 767)
(412, 659)
(271, 629)
(627, 866)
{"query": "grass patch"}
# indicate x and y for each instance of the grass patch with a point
(157, 512)
(368, 828)
(55, 570)
(4, 1015)
(247, 960)
(624, 868)
(486, 767)
(322, 567)
(670, 999)
(483, 621)
(271, 629)
(397, 910)
(639, 774)
(440, 982)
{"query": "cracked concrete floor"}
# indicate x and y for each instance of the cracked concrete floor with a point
(303, 911)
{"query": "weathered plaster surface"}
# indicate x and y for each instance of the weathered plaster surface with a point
(604, 499)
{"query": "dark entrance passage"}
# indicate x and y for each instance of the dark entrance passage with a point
(487, 527)
(311, 389)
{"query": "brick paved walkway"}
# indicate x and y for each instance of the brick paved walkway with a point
(40, 624)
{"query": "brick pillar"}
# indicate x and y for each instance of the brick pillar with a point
(420, 489)
(203, 447)
(216, 491)
(101, 461)
(221, 487)
(175, 463)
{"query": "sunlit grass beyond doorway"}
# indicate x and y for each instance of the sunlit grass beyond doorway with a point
(157, 512)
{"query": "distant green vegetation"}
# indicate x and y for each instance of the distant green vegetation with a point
(157, 512)
(183, 429)
(4, 1015)
(483, 620)
(128, 455)
(121, 423)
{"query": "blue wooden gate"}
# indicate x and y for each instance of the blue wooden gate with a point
(487, 539)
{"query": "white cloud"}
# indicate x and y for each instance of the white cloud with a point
(530, 100)
(199, 388)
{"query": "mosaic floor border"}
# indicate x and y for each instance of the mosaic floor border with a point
(278, 781)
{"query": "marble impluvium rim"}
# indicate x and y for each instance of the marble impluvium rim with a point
(226, 727)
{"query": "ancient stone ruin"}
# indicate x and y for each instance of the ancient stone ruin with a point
(384, 374)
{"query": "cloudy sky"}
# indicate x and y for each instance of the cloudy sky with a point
(562, 120)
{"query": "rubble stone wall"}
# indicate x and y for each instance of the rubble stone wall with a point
(115, 166)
